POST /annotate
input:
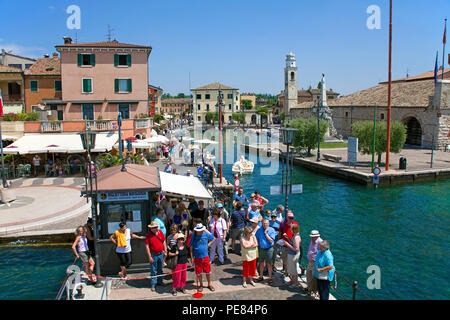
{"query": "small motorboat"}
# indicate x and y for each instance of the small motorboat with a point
(243, 166)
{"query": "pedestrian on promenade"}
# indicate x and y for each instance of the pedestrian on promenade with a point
(254, 224)
(81, 249)
(237, 224)
(293, 254)
(262, 201)
(89, 226)
(218, 228)
(266, 239)
(122, 239)
(168, 168)
(155, 245)
(171, 238)
(254, 212)
(159, 218)
(200, 215)
(180, 251)
(324, 269)
(240, 196)
(279, 211)
(285, 234)
(314, 246)
(36, 164)
(249, 253)
(274, 223)
(200, 241)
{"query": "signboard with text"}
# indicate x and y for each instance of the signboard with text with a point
(122, 196)
(352, 150)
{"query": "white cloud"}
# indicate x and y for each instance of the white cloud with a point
(31, 52)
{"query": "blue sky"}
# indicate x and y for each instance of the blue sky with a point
(243, 43)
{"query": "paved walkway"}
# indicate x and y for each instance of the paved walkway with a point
(44, 206)
(227, 280)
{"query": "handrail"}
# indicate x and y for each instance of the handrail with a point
(61, 290)
(352, 284)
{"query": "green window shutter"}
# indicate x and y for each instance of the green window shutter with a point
(87, 85)
(58, 85)
(129, 85)
(116, 60)
(92, 59)
(80, 59)
(116, 85)
(33, 85)
(129, 60)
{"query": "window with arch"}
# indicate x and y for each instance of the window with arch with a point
(292, 75)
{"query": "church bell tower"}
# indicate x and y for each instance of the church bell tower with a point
(290, 84)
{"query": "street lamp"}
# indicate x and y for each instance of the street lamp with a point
(287, 136)
(318, 131)
(88, 141)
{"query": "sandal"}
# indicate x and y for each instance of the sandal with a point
(200, 289)
(211, 288)
(270, 282)
(259, 279)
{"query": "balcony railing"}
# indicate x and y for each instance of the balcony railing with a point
(12, 98)
(101, 125)
(141, 124)
(51, 126)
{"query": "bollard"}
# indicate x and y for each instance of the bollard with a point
(355, 286)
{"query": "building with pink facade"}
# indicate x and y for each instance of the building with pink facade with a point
(100, 79)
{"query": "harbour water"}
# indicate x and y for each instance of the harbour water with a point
(401, 229)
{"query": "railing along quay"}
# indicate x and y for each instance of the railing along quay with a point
(353, 284)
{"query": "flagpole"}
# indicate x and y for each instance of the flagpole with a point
(388, 142)
(434, 109)
(4, 182)
(443, 48)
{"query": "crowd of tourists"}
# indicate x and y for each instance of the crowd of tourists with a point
(183, 236)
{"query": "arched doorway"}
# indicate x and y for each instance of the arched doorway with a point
(413, 132)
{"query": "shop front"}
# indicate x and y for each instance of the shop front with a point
(125, 194)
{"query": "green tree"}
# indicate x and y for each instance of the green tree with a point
(238, 117)
(363, 130)
(306, 135)
(319, 85)
(263, 112)
(211, 117)
(157, 118)
(246, 104)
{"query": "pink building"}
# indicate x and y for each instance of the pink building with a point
(99, 79)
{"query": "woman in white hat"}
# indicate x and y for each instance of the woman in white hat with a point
(180, 250)
(312, 253)
(249, 253)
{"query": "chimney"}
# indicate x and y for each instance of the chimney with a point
(67, 40)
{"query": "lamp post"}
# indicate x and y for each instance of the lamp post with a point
(88, 141)
(318, 132)
(220, 97)
(119, 123)
(288, 135)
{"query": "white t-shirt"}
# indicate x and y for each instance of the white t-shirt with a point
(128, 247)
(36, 161)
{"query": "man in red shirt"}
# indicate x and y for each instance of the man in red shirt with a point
(285, 233)
(155, 244)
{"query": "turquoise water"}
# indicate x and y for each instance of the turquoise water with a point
(402, 229)
(33, 272)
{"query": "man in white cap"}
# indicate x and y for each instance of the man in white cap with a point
(312, 253)
(201, 239)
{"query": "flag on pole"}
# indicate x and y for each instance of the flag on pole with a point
(444, 40)
(436, 70)
(1, 103)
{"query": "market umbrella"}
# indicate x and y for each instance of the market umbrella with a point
(157, 139)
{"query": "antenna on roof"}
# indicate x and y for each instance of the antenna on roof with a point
(407, 72)
(109, 35)
(76, 37)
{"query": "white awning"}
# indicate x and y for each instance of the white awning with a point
(105, 142)
(43, 143)
(59, 143)
(9, 138)
(177, 185)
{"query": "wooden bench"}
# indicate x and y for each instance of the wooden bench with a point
(331, 157)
